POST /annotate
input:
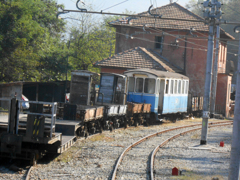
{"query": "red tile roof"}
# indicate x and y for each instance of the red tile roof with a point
(172, 10)
(139, 57)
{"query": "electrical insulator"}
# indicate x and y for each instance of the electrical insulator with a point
(219, 14)
(218, 4)
(206, 4)
(206, 13)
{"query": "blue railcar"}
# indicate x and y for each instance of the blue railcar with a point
(167, 92)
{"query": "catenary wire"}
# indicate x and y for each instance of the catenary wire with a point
(170, 44)
(115, 5)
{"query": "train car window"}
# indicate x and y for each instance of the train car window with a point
(175, 87)
(158, 86)
(131, 84)
(139, 85)
(167, 86)
(179, 86)
(186, 89)
(171, 87)
(149, 85)
(183, 85)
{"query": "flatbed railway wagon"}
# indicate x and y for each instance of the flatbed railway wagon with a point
(31, 135)
(112, 96)
(90, 118)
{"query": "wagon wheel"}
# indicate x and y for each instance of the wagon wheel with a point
(136, 123)
(147, 122)
(93, 130)
(111, 128)
(33, 160)
(100, 126)
(126, 124)
(86, 134)
(151, 119)
(100, 129)
(79, 132)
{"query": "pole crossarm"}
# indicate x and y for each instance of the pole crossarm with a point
(152, 17)
(132, 15)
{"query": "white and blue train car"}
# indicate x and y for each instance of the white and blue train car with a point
(167, 92)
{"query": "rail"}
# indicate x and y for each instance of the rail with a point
(154, 152)
(150, 136)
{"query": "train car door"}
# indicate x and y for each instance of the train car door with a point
(161, 95)
(119, 95)
(106, 88)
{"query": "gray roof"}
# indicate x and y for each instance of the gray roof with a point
(157, 73)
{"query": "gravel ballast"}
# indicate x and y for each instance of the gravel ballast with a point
(95, 157)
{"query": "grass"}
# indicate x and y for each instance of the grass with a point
(100, 137)
(65, 156)
(68, 155)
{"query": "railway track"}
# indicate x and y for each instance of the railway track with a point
(80, 139)
(147, 168)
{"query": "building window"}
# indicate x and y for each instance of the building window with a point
(131, 84)
(167, 85)
(175, 87)
(183, 86)
(158, 41)
(186, 89)
(179, 87)
(171, 87)
(139, 85)
(149, 86)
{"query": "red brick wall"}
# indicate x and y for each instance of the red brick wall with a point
(222, 58)
(195, 57)
(223, 94)
(124, 42)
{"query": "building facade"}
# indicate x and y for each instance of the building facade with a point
(182, 44)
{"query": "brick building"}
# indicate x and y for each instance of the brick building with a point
(169, 45)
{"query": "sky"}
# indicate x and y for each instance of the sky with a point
(136, 6)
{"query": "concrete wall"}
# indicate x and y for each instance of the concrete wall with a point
(8, 91)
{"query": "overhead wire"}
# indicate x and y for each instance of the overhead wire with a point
(115, 5)
(170, 34)
(162, 42)
(178, 46)
(232, 8)
(218, 39)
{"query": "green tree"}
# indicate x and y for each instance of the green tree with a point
(24, 27)
(91, 42)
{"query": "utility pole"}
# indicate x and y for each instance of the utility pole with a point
(209, 16)
(235, 150)
(215, 75)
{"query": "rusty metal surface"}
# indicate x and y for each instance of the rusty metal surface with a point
(146, 108)
(99, 112)
(147, 137)
(86, 113)
(28, 173)
(134, 108)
